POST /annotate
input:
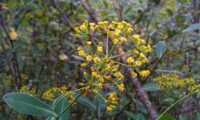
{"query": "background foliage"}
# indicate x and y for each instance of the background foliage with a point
(45, 31)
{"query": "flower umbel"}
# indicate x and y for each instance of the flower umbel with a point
(101, 64)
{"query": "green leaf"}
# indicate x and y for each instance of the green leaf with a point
(150, 87)
(192, 27)
(59, 106)
(29, 105)
(160, 48)
(130, 115)
(198, 116)
(50, 118)
(140, 116)
(86, 102)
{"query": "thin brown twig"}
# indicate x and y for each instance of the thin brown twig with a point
(14, 57)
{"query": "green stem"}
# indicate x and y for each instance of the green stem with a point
(107, 45)
(112, 49)
(123, 64)
(164, 112)
(121, 54)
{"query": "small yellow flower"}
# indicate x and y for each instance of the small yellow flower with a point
(99, 49)
(130, 60)
(135, 53)
(103, 24)
(136, 37)
(144, 73)
(142, 56)
(119, 75)
(123, 39)
(13, 35)
(89, 43)
(109, 109)
(144, 61)
(96, 59)
(89, 58)
(129, 31)
(81, 53)
(77, 35)
(107, 77)
(62, 57)
(76, 29)
(83, 65)
(133, 74)
(121, 87)
(80, 48)
(100, 85)
(115, 41)
(120, 26)
(117, 32)
(94, 74)
(91, 24)
(137, 64)
(148, 50)
(83, 27)
(84, 74)
(92, 28)
(113, 96)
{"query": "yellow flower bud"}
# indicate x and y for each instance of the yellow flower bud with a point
(89, 43)
(62, 57)
(84, 74)
(123, 39)
(144, 73)
(136, 37)
(96, 92)
(130, 60)
(121, 87)
(135, 53)
(96, 59)
(13, 35)
(100, 85)
(133, 74)
(81, 53)
(129, 31)
(137, 64)
(99, 49)
(107, 77)
(117, 32)
(115, 41)
(109, 109)
(83, 64)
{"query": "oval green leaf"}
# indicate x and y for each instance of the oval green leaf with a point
(151, 87)
(59, 105)
(86, 102)
(160, 48)
(29, 105)
(192, 27)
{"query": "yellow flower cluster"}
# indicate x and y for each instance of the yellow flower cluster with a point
(54, 92)
(28, 90)
(98, 52)
(194, 88)
(173, 81)
(112, 101)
